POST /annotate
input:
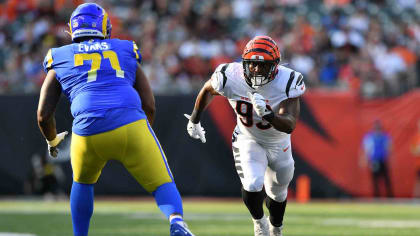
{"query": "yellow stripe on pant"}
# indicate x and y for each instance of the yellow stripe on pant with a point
(134, 145)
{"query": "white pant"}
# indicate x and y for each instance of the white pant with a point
(261, 165)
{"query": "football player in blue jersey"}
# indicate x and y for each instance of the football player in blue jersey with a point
(113, 109)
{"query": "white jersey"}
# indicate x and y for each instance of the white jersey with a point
(229, 81)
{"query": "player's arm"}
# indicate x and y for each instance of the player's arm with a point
(285, 120)
(146, 95)
(204, 98)
(48, 99)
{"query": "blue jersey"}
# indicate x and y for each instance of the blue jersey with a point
(98, 76)
(377, 145)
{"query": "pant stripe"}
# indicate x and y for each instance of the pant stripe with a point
(161, 152)
(238, 166)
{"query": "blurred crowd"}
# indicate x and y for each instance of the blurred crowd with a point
(367, 47)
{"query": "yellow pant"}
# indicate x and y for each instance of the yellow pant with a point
(134, 145)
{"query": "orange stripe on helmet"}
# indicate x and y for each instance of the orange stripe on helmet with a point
(256, 53)
(268, 41)
(261, 46)
(269, 47)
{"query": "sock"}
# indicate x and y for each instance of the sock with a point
(254, 203)
(175, 218)
(276, 210)
(168, 199)
(81, 204)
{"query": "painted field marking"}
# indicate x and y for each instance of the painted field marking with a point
(15, 234)
(386, 223)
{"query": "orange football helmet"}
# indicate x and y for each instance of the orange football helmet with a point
(263, 52)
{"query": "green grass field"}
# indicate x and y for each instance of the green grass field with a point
(212, 218)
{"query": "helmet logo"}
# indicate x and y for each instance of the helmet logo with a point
(259, 57)
(89, 20)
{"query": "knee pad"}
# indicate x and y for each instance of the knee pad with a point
(277, 192)
(277, 181)
(253, 185)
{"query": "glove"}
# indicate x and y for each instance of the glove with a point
(259, 104)
(195, 130)
(52, 145)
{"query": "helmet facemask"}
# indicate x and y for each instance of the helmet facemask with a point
(260, 59)
(265, 74)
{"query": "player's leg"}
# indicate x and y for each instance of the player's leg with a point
(251, 163)
(277, 179)
(277, 182)
(146, 161)
(376, 181)
(81, 206)
(376, 177)
(387, 179)
(87, 166)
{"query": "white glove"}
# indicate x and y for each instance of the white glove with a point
(52, 145)
(195, 130)
(259, 104)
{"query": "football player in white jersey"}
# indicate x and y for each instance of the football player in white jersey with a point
(265, 98)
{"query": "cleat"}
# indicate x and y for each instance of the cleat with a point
(261, 227)
(275, 231)
(180, 228)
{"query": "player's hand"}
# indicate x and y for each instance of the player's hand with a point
(258, 102)
(52, 145)
(195, 130)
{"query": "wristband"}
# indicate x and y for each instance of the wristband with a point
(269, 117)
(53, 142)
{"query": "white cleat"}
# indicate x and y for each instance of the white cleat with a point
(261, 227)
(275, 231)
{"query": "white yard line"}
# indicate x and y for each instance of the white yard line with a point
(15, 234)
(192, 216)
(365, 223)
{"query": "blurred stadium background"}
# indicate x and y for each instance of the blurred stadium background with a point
(361, 63)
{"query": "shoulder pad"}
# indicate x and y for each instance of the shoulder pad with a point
(137, 52)
(48, 61)
(219, 78)
(295, 85)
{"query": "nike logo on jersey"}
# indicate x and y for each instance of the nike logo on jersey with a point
(247, 99)
(285, 149)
